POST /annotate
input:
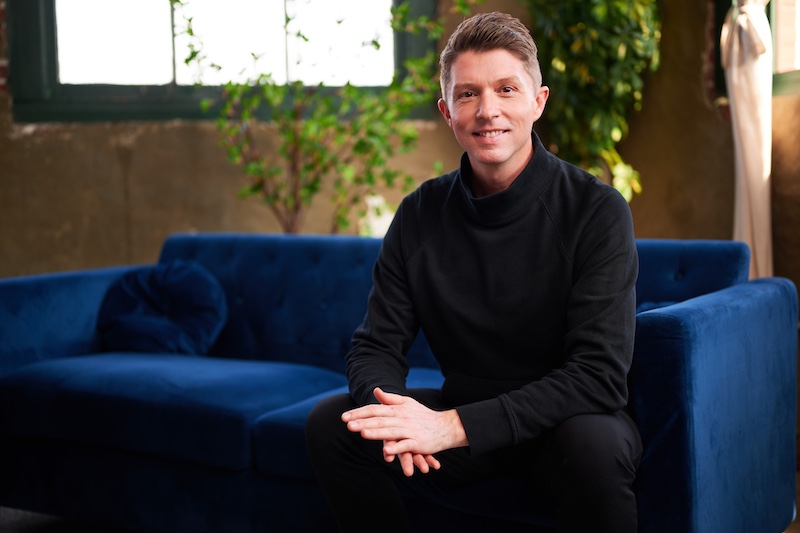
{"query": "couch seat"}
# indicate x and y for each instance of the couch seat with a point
(190, 408)
(281, 433)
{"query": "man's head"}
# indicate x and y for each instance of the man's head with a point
(485, 32)
(492, 94)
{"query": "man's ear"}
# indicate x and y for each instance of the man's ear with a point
(443, 109)
(541, 101)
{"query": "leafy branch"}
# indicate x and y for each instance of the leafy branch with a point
(597, 52)
(345, 136)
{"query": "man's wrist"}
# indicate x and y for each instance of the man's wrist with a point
(456, 429)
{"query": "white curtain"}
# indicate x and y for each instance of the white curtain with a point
(746, 47)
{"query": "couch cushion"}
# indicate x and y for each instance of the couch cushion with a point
(281, 433)
(649, 306)
(674, 270)
(197, 409)
(176, 307)
(302, 297)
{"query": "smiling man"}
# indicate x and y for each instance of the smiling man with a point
(520, 269)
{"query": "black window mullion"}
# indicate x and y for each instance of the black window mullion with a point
(172, 32)
(32, 66)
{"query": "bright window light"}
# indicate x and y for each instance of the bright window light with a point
(230, 33)
(340, 46)
(787, 35)
(130, 42)
(120, 42)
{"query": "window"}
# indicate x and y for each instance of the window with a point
(81, 60)
(785, 28)
(785, 21)
(785, 25)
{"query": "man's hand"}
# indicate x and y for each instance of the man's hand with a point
(410, 431)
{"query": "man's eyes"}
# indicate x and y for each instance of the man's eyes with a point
(506, 89)
(471, 94)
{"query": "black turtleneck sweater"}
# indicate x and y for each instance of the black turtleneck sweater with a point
(526, 298)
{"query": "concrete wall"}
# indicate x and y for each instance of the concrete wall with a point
(89, 195)
(680, 144)
(786, 186)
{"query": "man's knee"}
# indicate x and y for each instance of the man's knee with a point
(599, 445)
(597, 460)
(324, 421)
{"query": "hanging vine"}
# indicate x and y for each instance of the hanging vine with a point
(344, 137)
(595, 53)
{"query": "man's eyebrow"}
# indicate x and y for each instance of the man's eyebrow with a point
(457, 88)
(508, 80)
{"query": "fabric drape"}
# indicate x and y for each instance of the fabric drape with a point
(746, 47)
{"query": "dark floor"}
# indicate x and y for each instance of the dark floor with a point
(15, 521)
(794, 527)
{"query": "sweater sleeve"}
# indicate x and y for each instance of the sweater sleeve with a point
(597, 345)
(377, 358)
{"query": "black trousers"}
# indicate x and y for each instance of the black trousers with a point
(589, 462)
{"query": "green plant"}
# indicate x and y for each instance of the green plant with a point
(344, 136)
(595, 53)
(347, 134)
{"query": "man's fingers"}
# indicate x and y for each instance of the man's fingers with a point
(385, 409)
(421, 463)
(387, 398)
(384, 433)
(368, 411)
(409, 460)
(374, 422)
(407, 464)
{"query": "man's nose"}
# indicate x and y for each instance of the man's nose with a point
(489, 106)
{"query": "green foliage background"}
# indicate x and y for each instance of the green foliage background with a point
(594, 54)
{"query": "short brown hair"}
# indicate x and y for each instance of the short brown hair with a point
(490, 31)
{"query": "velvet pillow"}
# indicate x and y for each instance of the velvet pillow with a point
(174, 307)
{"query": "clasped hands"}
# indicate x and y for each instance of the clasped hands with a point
(410, 431)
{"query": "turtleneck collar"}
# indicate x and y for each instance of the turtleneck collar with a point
(508, 204)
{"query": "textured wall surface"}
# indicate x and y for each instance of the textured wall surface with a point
(87, 195)
(786, 186)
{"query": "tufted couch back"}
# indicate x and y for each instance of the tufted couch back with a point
(299, 298)
(290, 298)
(672, 271)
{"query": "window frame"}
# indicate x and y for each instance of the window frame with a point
(38, 96)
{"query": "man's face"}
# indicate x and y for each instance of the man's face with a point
(491, 105)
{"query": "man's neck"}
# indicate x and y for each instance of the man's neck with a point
(488, 180)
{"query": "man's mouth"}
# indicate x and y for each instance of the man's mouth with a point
(493, 133)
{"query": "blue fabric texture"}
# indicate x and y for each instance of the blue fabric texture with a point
(184, 408)
(672, 270)
(713, 389)
(67, 303)
(165, 442)
(324, 280)
(173, 307)
(154, 495)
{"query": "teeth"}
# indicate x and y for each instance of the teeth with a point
(494, 133)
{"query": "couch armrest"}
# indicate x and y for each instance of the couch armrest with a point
(51, 315)
(714, 391)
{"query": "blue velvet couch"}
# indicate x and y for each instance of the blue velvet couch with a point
(105, 418)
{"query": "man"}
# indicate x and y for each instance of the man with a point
(520, 269)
